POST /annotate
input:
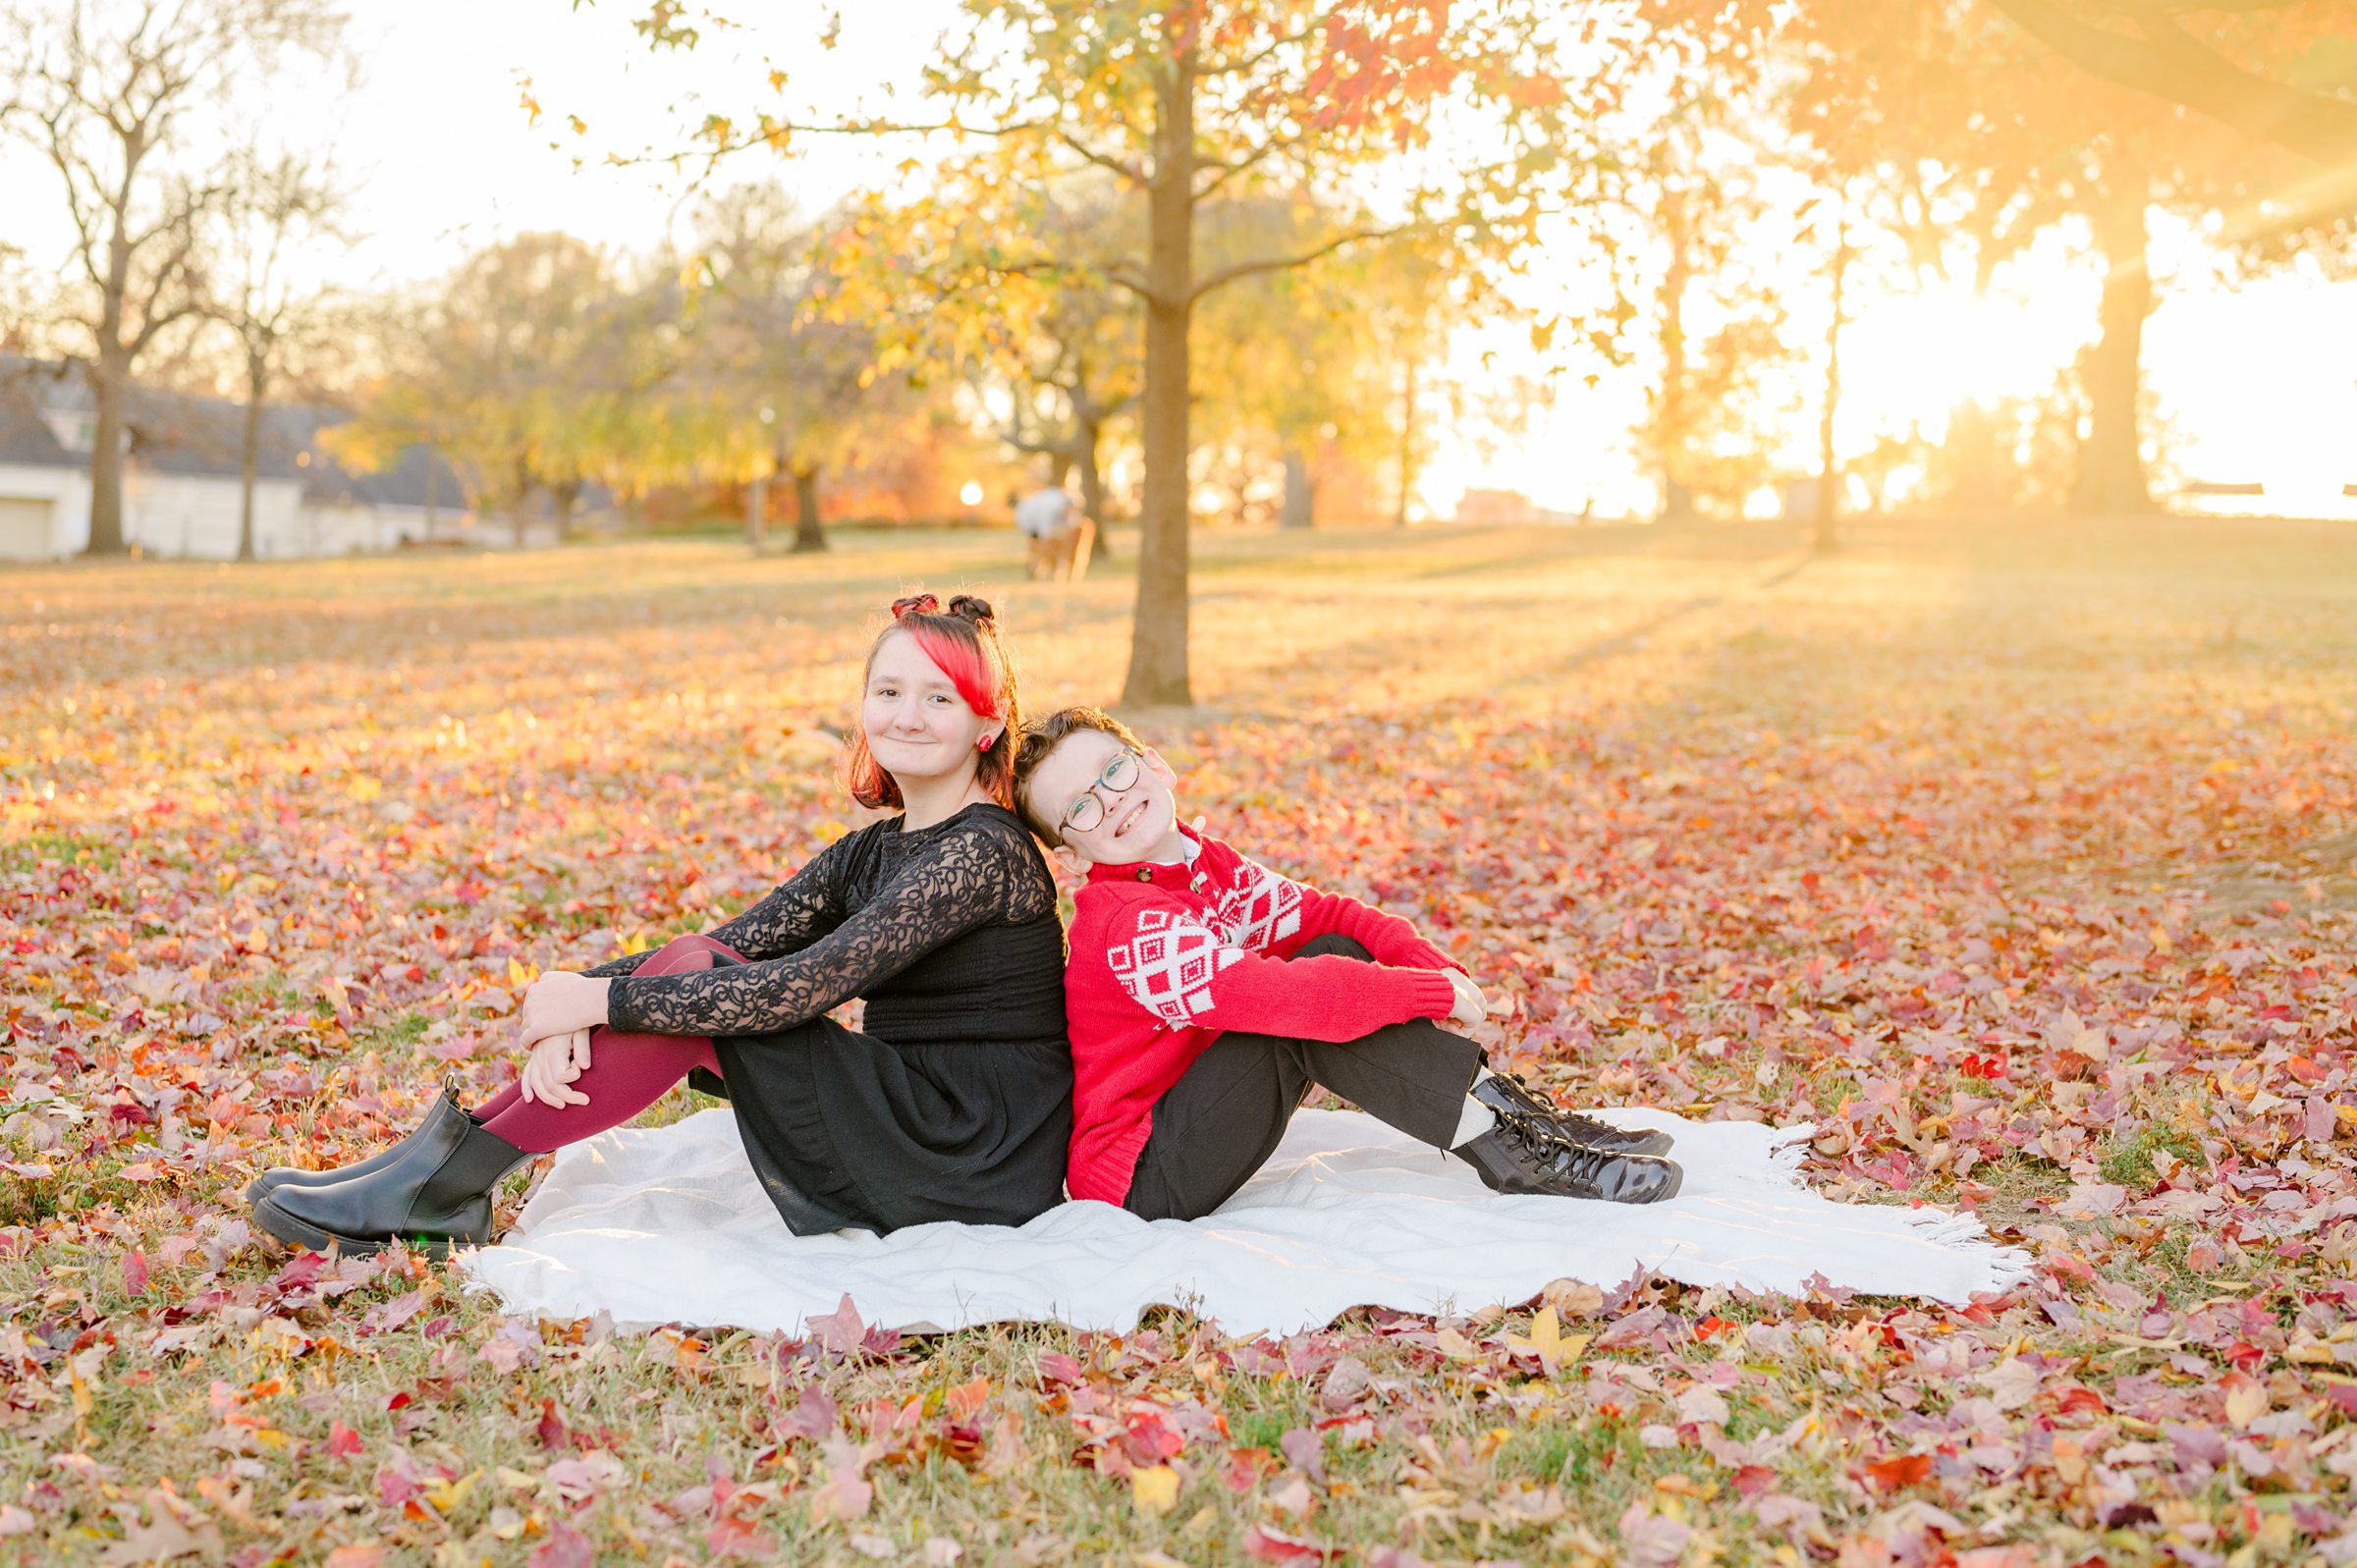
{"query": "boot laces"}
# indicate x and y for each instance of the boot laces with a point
(1558, 1154)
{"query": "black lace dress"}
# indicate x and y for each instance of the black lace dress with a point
(957, 1102)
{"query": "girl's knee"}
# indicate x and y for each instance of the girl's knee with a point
(684, 954)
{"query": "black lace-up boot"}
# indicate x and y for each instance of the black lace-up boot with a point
(436, 1195)
(1504, 1091)
(1519, 1155)
(444, 1108)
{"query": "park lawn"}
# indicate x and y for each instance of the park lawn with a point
(2018, 855)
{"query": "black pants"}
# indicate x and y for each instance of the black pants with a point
(1221, 1123)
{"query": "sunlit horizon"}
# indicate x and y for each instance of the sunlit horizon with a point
(445, 171)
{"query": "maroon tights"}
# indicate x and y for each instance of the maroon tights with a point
(627, 1072)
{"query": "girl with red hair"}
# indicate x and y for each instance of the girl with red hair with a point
(954, 1103)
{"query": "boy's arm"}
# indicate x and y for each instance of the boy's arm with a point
(1177, 969)
(1388, 938)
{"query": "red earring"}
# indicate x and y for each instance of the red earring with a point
(986, 740)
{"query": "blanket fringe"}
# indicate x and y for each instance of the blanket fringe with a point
(1968, 1238)
(1786, 1149)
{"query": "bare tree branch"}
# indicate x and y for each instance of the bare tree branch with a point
(1225, 172)
(1245, 66)
(1127, 171)
(1245, 269)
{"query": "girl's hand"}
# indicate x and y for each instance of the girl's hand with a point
(1471, 1006)
(558, 1003)
(549, 1072)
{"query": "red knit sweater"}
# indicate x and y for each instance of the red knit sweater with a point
(1164, 960)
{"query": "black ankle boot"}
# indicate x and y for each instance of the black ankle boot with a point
(269, 1181)
(1504, 1091)
(1519, 1155)
(436, 1196)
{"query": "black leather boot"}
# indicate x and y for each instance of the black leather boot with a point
(1519, 1154)
(1504, 1091)
(436, 1196)
(288, 1177)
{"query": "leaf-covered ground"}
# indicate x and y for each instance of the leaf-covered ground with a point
(2020, 857)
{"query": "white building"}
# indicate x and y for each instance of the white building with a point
(181, 492)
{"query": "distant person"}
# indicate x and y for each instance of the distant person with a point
(1058, 533)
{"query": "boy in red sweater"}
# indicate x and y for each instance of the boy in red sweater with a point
(1205, 994)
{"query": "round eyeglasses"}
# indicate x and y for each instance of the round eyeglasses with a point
(1089, 810)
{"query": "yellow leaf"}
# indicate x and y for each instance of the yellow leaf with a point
(1154, 1490)
(364, 788)
(447, 1495)
(1546, 1335)
(1548, 1342)
(1455, 1344)
(2246, 1403)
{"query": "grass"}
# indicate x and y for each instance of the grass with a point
(1889, 842)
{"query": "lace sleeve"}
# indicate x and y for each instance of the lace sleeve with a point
(791, 916)
(970, 878)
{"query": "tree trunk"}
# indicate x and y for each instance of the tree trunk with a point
(1087, 434)
(1407, 444)
(1158, 664)
(564, 495)
(1979, 463)
(756, 513)
(2110, 477)
(249, 451)
(433, 489)
(1822, 538)
(1671, 416)
(109, 381)
(808, 536)
(1300, 492)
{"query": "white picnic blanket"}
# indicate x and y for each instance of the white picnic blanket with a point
(667, 1225)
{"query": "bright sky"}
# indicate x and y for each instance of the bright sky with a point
(2259, 384)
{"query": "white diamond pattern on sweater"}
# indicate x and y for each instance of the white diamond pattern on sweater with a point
(1262, 907)
(1170, 965)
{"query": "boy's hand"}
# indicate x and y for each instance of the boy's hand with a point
(1471, 1006)
(551, 1068)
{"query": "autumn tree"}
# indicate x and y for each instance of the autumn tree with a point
(272, 211)
(1460, 105)
(1701, 253)
(528, 370)
(1340, 365)
(112, 93)
(1052, 355)
(2254, 66)
(783, 387)
(2032, 137)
